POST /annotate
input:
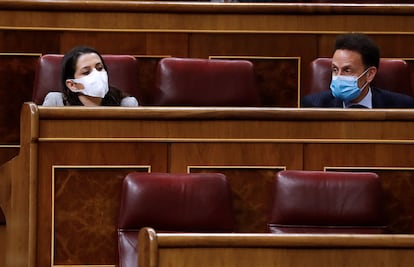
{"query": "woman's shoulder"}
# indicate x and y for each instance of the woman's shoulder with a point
(53, 99)
(129, 101)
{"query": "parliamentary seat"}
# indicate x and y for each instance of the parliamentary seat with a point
(171, 203)
(205, 82)
(327, 202)
(122, 74)
(392, 75)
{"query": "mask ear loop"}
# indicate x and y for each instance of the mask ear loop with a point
(366, 82)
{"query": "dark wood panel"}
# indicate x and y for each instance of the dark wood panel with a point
(251, 208)
(7, 153)
(95, 169)
(410, 62)
(250, 169)
(394, 46)
(277, 79)
(17, 75)
(253, 44)
(85, 213)
(29, 41)
(147, 68)
(168, 43)
(320, 156)
(132, 43)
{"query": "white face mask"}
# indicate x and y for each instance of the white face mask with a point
(95, 84)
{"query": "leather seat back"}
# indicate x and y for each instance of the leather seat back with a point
(206, 82)
(122, 74)
(173, 203)
(327, 202)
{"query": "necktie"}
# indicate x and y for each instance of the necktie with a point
(357, 106)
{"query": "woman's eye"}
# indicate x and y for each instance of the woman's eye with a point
(99, 68)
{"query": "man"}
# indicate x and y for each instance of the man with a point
(354, 65)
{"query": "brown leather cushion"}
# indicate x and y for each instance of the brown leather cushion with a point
(315, 201)
(392, 75)
(206, 82)
(122, 73)
(171, 202)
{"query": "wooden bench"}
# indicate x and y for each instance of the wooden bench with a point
(76, 157)
(246, 250)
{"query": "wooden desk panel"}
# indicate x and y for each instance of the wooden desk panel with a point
(188, 29)
(249, 167)
(7, 152)
(86, 182)
(64, 149)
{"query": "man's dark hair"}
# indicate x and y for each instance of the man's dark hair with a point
(361, 44)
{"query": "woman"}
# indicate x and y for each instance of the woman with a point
(85, 82)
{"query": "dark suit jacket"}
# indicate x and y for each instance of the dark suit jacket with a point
(380, 99)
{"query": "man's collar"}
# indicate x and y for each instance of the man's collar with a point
(366, 101)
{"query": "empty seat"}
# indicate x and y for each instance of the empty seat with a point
(327, 202)
(171, 202)
(392, 75)
(122, 73)
(205, 82)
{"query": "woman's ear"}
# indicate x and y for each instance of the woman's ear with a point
(71, 85)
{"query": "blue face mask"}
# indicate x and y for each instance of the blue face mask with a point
(346, 87)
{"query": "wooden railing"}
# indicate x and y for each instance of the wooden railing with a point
(244, 250)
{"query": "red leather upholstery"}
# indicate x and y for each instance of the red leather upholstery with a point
(171, 202)
(327, 202)
(206, 82)
(392, 75)
(122, 73)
